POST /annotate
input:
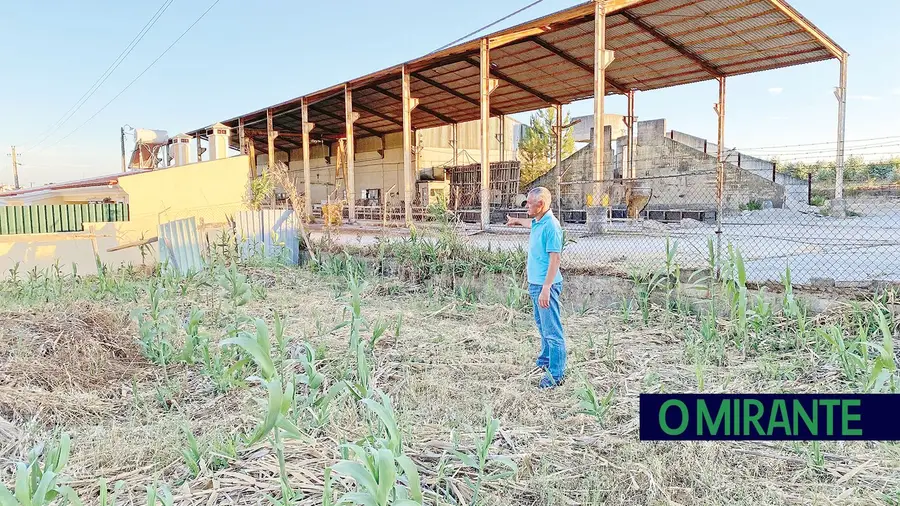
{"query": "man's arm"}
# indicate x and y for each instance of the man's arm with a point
(555, 260)
(518, 222)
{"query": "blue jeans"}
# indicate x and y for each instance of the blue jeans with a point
(549, 324)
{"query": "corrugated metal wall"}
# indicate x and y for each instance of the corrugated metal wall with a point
(268, 232)
(45, 219)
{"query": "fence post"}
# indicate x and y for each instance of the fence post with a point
(809, 188)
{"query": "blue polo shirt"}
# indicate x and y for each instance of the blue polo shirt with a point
(546, 238)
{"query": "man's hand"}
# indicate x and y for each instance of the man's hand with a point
(544, 297)
(512, 222)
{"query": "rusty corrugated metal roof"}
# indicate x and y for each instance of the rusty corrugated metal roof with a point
(657, 44)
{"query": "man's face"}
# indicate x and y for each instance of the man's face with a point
(534, 206)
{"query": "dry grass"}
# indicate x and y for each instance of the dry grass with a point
(451, 364)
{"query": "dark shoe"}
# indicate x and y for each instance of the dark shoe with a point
(548, 382)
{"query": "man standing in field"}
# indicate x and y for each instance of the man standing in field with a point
(545, 282)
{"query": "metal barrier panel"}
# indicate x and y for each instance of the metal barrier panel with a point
(44, 219)
(268, 232)
(179, 246)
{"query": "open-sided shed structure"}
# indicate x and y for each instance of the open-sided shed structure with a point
(594, 49)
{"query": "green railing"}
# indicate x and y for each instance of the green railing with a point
(46, 219)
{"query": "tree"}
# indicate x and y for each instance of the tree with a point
(537, 148)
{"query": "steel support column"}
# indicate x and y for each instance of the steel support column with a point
(631, 172)
(501, 137)
(270, 138)
(488, 85)
(455, 132)
(199, 155)
(351, 175)
(559, 138)
(602, 59)
(409, 182)
(241, 140)
(307, 176)
(838, 207)
(720, 173)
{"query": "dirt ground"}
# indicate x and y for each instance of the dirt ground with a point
(72, 362)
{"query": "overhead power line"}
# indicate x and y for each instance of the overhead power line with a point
(106, 74)
(504, 18)
(139, 75)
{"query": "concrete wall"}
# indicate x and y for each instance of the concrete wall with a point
(693, 184)
(578, 167)
(795, 189)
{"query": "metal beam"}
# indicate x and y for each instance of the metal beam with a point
(705, 65)
(575, 61)
(823, 39)
(442, 117)
(342, 120)
(524, 87)
(381, 115)
(447, 89)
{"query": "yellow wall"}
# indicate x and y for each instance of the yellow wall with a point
(43, 251)
(208, 191)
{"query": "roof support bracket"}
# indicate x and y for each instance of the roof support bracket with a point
(524, 87)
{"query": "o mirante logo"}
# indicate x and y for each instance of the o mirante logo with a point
(700, 417)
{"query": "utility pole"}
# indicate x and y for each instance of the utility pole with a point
(15, 167)
(122, 139)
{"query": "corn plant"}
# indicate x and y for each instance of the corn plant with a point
(161, 495)
(882, 375)
(280, 398)
(38, 483)
(482, 460)
(239, 291)
(318, 400)
(192, 336)
(760, 316)
(378, 329)
(736, 289)
(845, 353)
(378, 482)
(155, 326)
(591, 404)
(375, 471)
(192, 455)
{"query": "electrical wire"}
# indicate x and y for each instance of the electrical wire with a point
(139, 75)
(106, 74)
(504, 18)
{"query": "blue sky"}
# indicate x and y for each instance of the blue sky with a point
(244, 56)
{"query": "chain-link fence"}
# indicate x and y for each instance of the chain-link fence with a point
(774, 224)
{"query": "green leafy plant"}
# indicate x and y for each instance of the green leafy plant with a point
(155, 327)
(482, 461)
(276, 420)
(591, 404)
(39, 483)
(383, 474)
